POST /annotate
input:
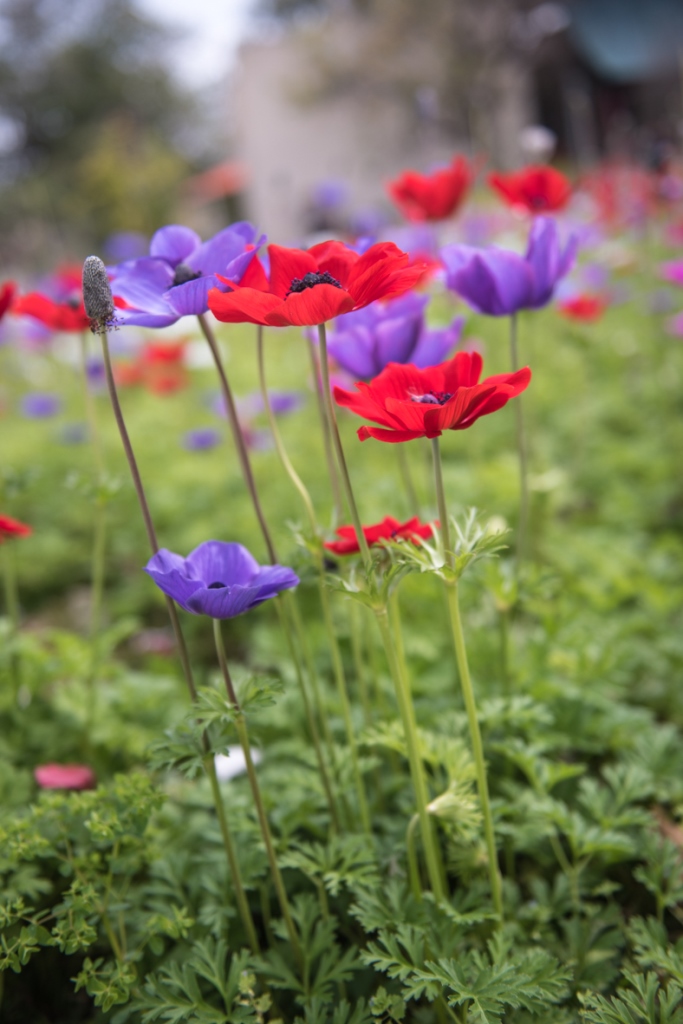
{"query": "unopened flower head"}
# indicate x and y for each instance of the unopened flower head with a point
(97, 296)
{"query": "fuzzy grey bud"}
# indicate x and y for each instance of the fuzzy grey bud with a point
(97, 297)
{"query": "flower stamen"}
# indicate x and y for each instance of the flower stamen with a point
(310, 281)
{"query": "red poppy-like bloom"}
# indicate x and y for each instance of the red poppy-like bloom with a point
(159, 368)
(7, 292)
(59, 316)
(587, 308)
(12, 528)
(64, 776)
(388, 529)
(308, 287)
(409, 403)
(533, 189)
(431, 196)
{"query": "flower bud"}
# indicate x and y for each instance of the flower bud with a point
(97, 297)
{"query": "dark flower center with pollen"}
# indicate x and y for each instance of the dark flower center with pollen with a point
(432, 398)
(183, 274)
(310, 281)
(217, 585)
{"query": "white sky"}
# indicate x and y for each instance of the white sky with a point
(212, 31)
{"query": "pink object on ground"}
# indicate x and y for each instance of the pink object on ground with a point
(64, 776)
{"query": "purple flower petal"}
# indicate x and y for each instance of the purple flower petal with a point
(40, 405)
(396, 339)
(142, 283)
(224, 602)
(213, 257)
(174, 244)
(217, 561)
(192, 298)
(168, 571)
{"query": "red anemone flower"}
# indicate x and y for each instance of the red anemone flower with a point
(60, 316)
(587, 308)
(388, 529)
(431, 196)
(409, 403)
(7, 293)
(12, 528)
(308, 287)
(533, 189)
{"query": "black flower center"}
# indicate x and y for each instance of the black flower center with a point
(217, 585)
(310, 281)
(183, 274)
(432, 398)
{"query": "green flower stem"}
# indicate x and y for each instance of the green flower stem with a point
(242, 453)
(243, 735)
(477, 746)
(337, 663)
(178, 633)
(144, 508)
(339, 450)
(407, 479)
(10, 580)
(413, 868)
(342, 690)
(310, 717)
(466, 685)
(357, 651)
(504, 623)
(100, 530)
(277, 437)
(235, 873)
(521, 451)
(327, 440)
(302, 638)
(404, 701)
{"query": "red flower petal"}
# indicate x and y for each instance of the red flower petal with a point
(285, 265)
(310, 307)
(243, 305)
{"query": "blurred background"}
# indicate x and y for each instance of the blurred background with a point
(117, 116)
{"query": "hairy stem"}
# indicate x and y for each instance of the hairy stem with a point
(522, 528)
(327, 439)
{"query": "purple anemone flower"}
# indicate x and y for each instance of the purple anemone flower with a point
(363, 342)
(201, 440)
(218, 579)
(40, 405)
(176, 277)
(499, 282)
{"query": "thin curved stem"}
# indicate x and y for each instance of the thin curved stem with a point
(441, 502)
(277, 438)
(413, 868)
(327, 440)
(243, 735)
(242, 904)
(477, 747)
(407, 479)
(338, 448)
(180, 641)
(144, 508)
(403, 699)
(522, 528)
(238, 437)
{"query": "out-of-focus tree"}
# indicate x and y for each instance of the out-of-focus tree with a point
(89, 126)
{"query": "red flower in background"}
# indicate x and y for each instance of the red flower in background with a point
(64, 776)
(308, 287)
(410, 403)
(12, 528)
(535, 189)
(587, 308)
(7, 293)
(59, 316)
(159, 367)
(388, 529)
(431, 196)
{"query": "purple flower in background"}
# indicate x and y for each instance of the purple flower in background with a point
(40, 405)
(201, 440)
(499, 282)
(281, 402)
(176, 277)
(365, 341)
(125, 245)
(330, 194)
(96, 375)
(218, 579)
(672, 271)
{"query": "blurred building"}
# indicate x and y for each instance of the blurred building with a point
(327, 112)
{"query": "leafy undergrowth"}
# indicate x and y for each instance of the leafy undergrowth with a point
(117, 903)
